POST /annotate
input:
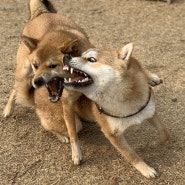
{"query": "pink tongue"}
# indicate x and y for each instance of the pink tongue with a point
(53, 86)
(76, 79)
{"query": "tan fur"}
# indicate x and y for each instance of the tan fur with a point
(45, 38)
(121, 87)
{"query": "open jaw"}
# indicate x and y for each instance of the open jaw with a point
(82, 78)
(55, 89)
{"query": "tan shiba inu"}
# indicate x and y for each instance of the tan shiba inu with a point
(119, 95)
(45, 39)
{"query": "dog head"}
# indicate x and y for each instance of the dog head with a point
(46, 56)
(98, 69)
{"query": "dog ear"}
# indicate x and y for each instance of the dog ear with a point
(70, 47)
(30, 43)
(126, 51)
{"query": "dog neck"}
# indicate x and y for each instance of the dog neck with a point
(102, 111)
(120, 100)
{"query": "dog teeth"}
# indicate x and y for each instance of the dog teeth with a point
(71, 70)
(66, 68)
(86, 79)
(65, 80)
(78, 81)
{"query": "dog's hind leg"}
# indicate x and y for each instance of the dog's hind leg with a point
(163, 132)
(119, 142)
(10, 104)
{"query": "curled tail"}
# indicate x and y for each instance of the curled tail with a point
(38, 7)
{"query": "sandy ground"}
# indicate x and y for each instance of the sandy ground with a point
(29, 155)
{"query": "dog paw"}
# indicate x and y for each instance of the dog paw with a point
(76, 153)
(146, 170)
(7, 112)
(62, 138)
(154, 80)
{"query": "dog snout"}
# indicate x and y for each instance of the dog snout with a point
(38, 81)
(67, 58)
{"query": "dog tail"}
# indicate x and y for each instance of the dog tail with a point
(38, 7)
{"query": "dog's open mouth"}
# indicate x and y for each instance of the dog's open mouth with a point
(82, 79)
(55, 89)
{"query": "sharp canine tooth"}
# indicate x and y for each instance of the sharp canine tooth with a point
(69, 80)
(65, 80)
(71, 70)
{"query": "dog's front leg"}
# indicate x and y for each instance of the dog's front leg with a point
(68, 102)
(119, 142)
(10, 104)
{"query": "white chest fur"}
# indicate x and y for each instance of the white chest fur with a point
(119, 125)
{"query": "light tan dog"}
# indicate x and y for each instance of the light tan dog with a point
(46, 37)
(120, 96)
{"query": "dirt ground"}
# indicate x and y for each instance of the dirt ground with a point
(29, 155)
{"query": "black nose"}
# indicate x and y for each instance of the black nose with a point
(67, 58)
(39, 81)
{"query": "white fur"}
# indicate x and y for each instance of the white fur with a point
(90, 53)
(119, 125)
(76, 152)
(145, 170)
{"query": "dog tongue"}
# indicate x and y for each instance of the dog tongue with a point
(53, 84)
(76, 79)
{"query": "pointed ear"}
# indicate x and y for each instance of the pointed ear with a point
(70, 47)
(29, 42)
(126, 51)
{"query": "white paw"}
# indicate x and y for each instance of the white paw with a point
(146, 170)
(76, 153)
(7, 112)
(155, 80)
(63, 139)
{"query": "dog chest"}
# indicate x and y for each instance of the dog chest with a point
(119, 125)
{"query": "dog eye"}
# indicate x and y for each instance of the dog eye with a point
(35, 66)
(53, 66)
(91, 59)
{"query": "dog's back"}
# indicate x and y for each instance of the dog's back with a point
(43, 19)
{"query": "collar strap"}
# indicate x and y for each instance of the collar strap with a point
(100, 109)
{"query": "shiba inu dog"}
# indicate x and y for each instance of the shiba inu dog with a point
(119, 95)
(45, 39)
